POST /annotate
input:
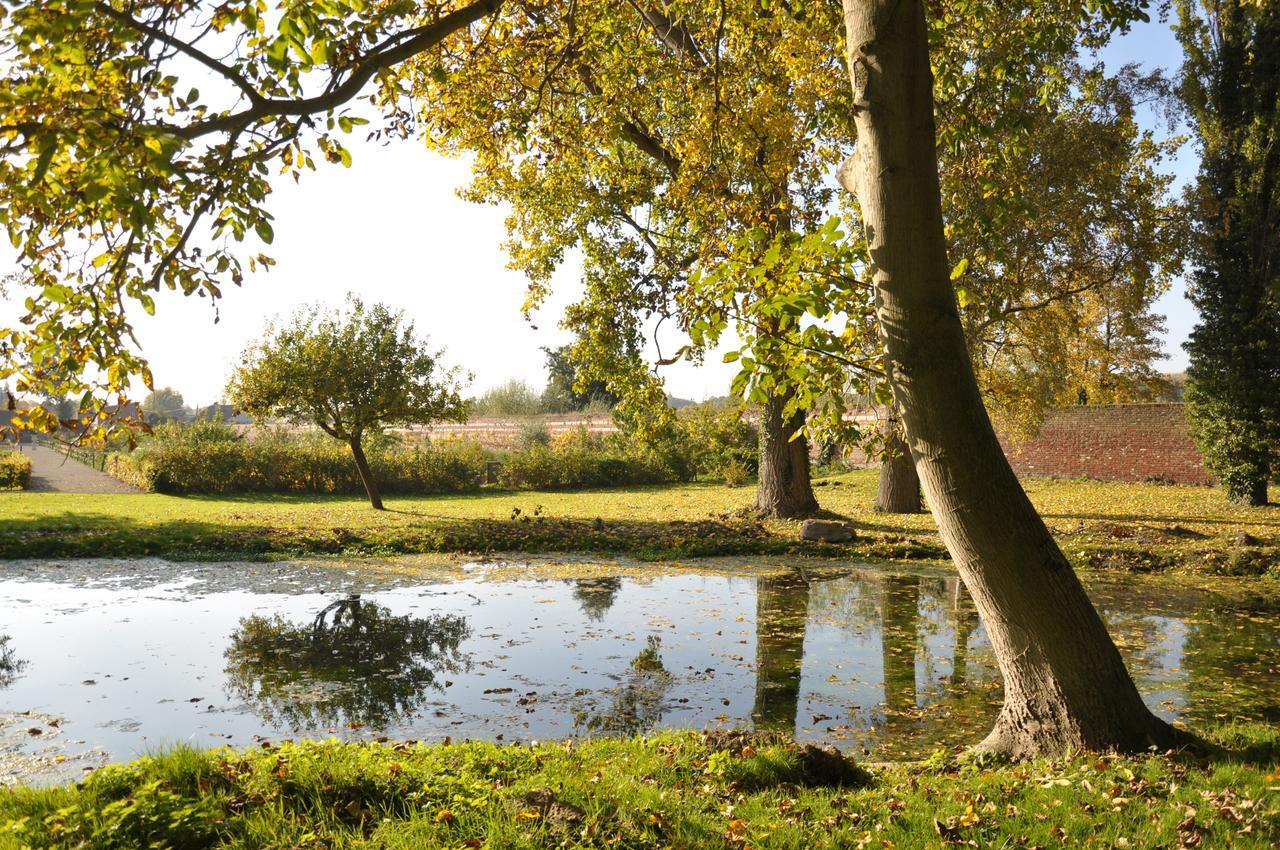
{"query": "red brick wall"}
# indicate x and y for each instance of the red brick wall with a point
(1124, 442)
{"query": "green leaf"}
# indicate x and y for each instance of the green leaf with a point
(42, 165)
(264, 231)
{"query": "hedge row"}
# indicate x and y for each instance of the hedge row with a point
(15, 471)
(563, 466)
(212, 457)
(270, 466)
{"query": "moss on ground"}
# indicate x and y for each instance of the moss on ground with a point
(675, 790)
(1109, 525)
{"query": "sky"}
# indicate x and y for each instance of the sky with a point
(391, 228)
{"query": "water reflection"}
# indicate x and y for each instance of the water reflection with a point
(782, 610)
(354, 663)
(640, 703)
(596, 595)
(10, 664)
(895, 662)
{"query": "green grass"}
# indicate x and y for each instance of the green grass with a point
(1099, 524)
(675, 790)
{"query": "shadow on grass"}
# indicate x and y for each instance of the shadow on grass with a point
(101, 534)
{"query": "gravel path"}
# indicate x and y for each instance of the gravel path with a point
(52, 472)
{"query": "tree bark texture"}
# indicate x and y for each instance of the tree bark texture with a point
(366, 474)
(784, 489)
(899, 489)
(1065, 683)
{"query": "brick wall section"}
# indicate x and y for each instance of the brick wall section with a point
(1124, 442)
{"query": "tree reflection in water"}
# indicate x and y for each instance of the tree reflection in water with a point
(10, 664)
(355, 662)
(782, 612)
(638, 705)
(596, 595)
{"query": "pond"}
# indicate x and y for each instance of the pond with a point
(106, 661)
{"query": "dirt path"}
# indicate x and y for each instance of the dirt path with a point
(52, 472)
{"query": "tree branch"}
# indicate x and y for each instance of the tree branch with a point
(337, 93)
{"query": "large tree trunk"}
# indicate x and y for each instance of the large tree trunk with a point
(782, 611)
(784, 488)
(1065, 683)
(366, 475)
(899, 488)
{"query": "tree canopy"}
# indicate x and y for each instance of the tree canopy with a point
(350, 373)
(1231, 84)
(139, 142)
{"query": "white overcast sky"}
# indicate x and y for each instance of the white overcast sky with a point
(391, 228)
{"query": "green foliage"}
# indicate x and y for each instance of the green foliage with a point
(1238, 441)
(569, 391)
(210, 457)
(15, 470)
(165, 404)
(533, 435)
(514, 398)
(119, 178)
(350, 373)
(719, 790)
(702, 441)
(579, 459)
(1231, 85)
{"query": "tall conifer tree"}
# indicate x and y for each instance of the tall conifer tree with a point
(1231, 85)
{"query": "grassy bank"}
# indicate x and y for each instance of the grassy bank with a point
(676, 790)
(1099, 524)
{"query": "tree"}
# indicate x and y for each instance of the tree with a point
(137, 146)
(898, 488)
(1231, 85)
(350, 373)
(738, 240)
(165, 404)
(514, 398)
(722, 151)
(567, 391)
(1066, 686)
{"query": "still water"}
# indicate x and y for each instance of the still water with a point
(107, 661)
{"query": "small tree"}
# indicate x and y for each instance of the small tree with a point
(350, 373)
(163, 405)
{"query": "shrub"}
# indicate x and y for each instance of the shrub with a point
(533, 434)
(703, 441)
(578, 459)
(514, 398)
(220, 461)
(15, 471)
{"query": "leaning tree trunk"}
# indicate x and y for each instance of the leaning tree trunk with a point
(899, 488)
(784, 488)
(366, 475)
(1065, 683)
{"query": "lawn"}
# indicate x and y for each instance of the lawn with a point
(1099, 524)
(674, 790)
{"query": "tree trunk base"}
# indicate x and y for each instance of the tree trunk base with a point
(1018, 736)
(1254, 497)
